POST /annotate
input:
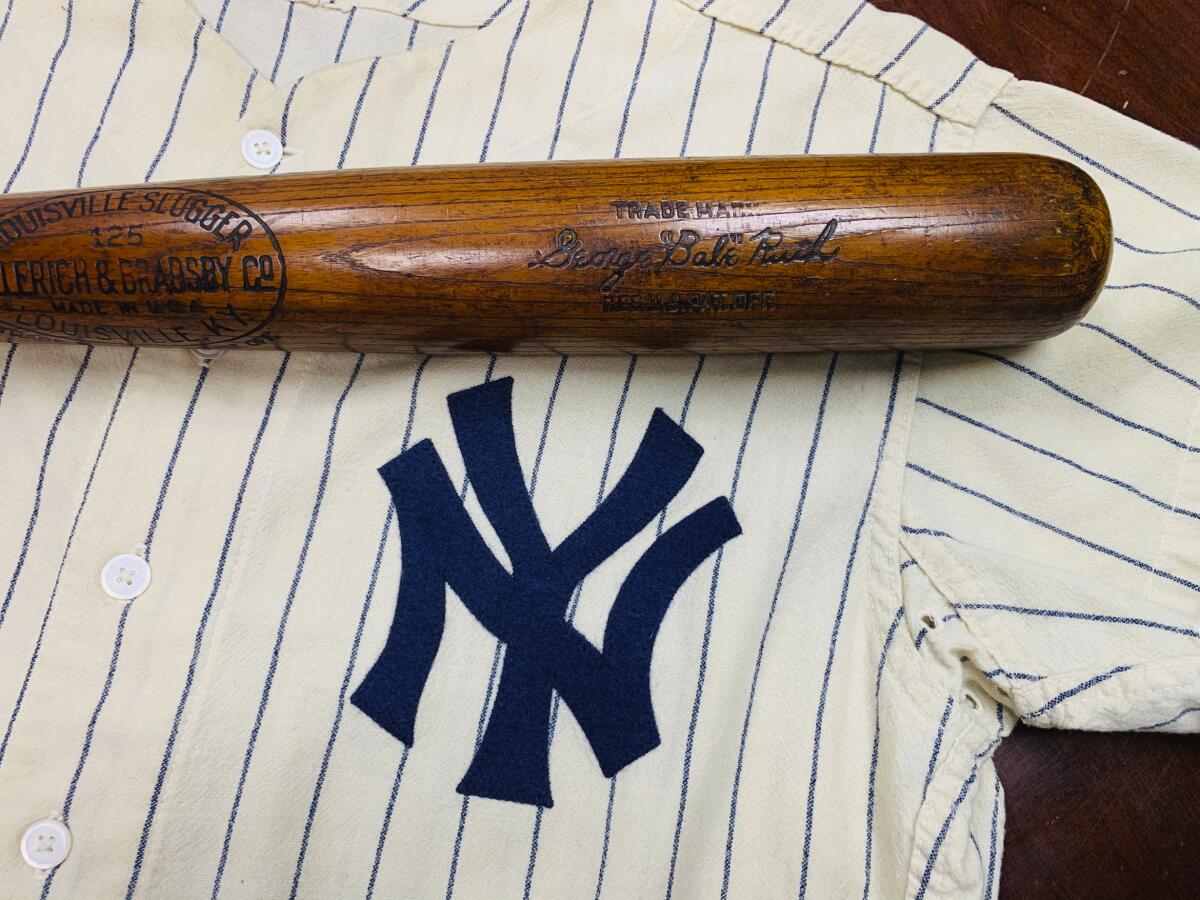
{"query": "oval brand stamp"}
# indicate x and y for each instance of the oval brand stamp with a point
(159, 265)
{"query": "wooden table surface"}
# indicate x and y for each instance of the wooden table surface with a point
(1095, 815)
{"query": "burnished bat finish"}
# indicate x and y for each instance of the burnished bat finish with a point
(699, 255)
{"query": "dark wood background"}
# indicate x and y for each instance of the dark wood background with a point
(1095, 815)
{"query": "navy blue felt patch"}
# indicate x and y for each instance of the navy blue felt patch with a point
(607, 690)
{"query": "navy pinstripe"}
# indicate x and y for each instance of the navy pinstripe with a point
(637, 73)
(187, 77)
(465, 803)
(283, 120)
(937, 745)
(1078, 689)
(908, 529)
(878, 119)
(87, 153)
(975, 845)
(842, 30)
(322, 483)
(687, 131)
(903, 51)
(954, 87)
(87, 489)
(1015, 676)
(943, 831)
(437, 83)
(574, 604)
(152, 530)
(508, 57)
(90, 734)
(7, 14)
(1155, 287)
(917, 641)
(8, 358)
(1057, 457)
(812, 122)
(358, 633)
(837, 624)
(118, 639)
(1071, 395)
(995, 741)
(562, 103)
(283, 40)
(870, 831)
(385, 827)
(39, 488)
(541, 450)
(221, 16)
(37, 114)
(1171, 721)
(937, 120)
(495, 13)
(1061, 532)
(762, 641)
(412, 33)
(762, 92)
(201, 629)
(246, 96)
(358, 105)
(1128, 246)
(991, 866)
(337, 56)
(774, 16)
(709, 614)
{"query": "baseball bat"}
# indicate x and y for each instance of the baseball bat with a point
(695, 255)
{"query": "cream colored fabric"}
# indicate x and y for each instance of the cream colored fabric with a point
(932, 547)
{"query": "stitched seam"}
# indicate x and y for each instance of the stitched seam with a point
(87, 111)
(947, 565)
(950, 566)
(810, 42)
(973, 738)
(1045, 692)
(887, 590)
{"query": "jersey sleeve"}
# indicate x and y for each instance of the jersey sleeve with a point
(1051, 503)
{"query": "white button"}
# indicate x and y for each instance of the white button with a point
(125, 577)
(46, 843)
(261, 148)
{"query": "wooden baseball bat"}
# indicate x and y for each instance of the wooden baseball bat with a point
(701, 255)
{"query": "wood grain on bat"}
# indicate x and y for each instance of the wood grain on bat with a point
(701, 255)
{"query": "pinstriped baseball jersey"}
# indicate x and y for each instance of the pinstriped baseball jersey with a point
(476, 627)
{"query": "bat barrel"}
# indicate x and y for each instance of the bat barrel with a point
(694, 255)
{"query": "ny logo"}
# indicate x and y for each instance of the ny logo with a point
(607, 689)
